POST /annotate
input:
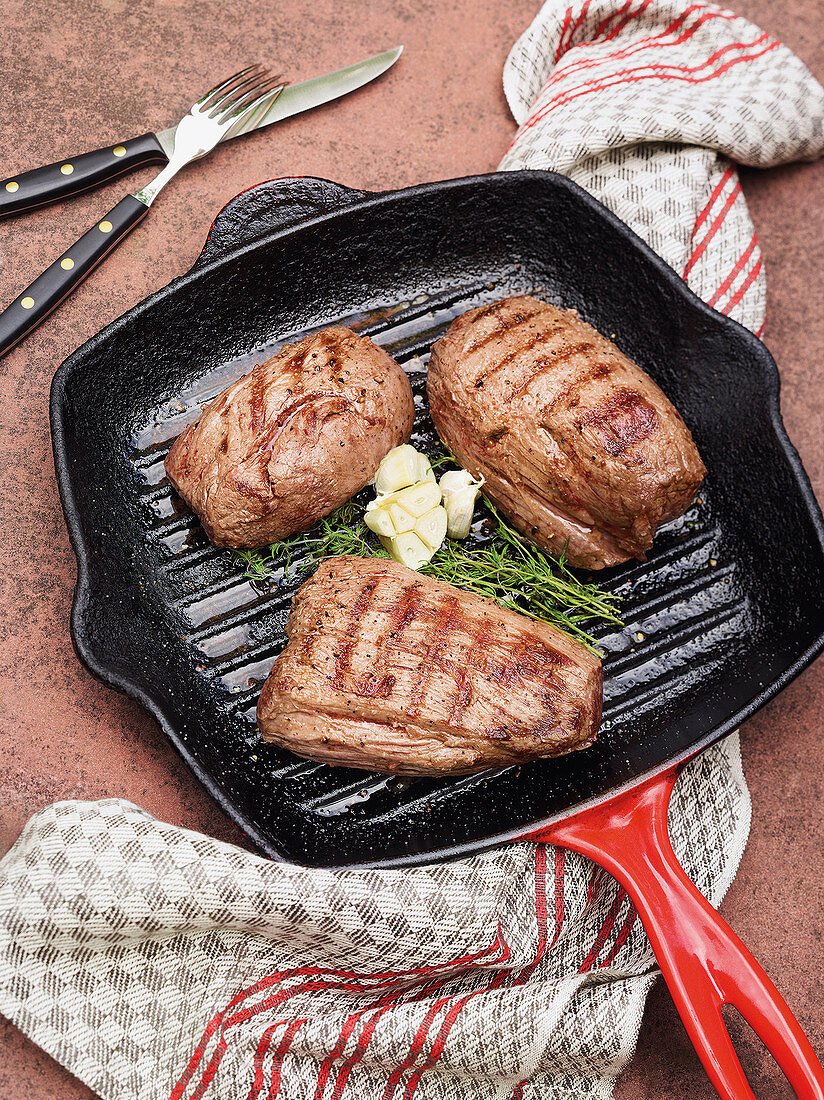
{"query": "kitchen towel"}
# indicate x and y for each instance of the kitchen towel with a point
(158, 963)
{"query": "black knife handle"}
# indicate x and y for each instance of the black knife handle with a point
(49, 289)
(67, 177)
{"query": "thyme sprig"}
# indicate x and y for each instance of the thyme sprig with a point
(501, 565)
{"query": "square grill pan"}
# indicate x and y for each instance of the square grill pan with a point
(728, 608)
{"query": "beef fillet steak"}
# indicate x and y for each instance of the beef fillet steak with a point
(578, 446)
(391, 671)
(289, 442)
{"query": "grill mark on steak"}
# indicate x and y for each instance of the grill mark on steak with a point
(528, 664)
(551, 363)
(401, 613)
(541, 337)
(598, 370)
(404, 609)
(506, 324)
(529, 659)
(308, 402)
(257, 402)
(463, 690)
(622, 421)
(357, 611)
(446, 617)
(370, 687)
(547, 728)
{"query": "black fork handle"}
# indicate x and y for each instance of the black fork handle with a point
(68, 177)
(49, 289)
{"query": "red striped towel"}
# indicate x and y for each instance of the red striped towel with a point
(646, 104)
(155, 962)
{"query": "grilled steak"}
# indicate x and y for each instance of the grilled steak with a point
(285, 445)
(391, 671)
(578, 445)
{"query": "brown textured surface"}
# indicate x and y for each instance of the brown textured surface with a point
(294, 439)
(509, 377)
(116, 67)
(359, 683)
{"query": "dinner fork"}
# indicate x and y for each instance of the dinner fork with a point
(217, 115)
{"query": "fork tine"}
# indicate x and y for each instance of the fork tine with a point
(250, 118)
(251, 99)
(247, 118)
(244, 81)
(218, 104)
(223, 85)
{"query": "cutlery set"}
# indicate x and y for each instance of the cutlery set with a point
(246, 101)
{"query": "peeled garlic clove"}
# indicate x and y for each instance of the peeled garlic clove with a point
(418, 499)
(460, 491)
(401, 467)
(379, 521)
(401, 519)
(431, 528)
(423, 469)
(408, 549)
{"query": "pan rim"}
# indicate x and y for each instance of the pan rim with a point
(142, 693)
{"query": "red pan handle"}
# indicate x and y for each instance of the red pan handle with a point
(703, 961)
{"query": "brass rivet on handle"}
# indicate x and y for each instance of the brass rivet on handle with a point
(12, 186)
(67, 263)
(27, 302)
(119, 150)
(105, 226)
(67, 169)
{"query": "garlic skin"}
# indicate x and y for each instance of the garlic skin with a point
(460, 491)
(403, 466)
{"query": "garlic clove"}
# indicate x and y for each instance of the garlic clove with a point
(418, 499)
(431, 528)
(379, 521)
(460, 492)
(401, 519)
(408, 549)
(401, 467)
(460, 508)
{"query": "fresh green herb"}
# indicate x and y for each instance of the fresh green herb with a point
(505, 567)
(342, 532)
(514, 573)
(442, 459)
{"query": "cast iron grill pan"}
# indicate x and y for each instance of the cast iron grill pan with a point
(728, 608)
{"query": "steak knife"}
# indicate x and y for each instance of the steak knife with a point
(73, 174)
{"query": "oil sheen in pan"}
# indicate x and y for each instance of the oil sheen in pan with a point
(680, 610)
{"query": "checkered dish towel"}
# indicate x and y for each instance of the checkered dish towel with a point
(156, 963)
